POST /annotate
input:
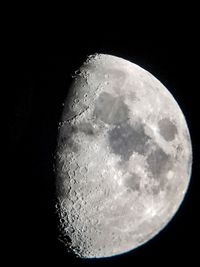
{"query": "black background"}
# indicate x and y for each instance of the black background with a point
(38, 85)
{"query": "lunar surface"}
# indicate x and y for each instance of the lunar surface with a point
(123, 159)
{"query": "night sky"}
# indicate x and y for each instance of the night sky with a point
(38, 84)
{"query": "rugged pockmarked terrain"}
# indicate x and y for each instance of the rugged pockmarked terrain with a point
(123, 160)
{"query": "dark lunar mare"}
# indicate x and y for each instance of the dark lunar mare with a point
(124, 140)
(167, 129)
(132, 182)
(111, 110)
(158, 162)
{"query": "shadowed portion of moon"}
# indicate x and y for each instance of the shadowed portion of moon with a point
(111, 110)
(167, 129)
(124, 139)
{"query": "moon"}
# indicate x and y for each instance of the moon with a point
(123, 158)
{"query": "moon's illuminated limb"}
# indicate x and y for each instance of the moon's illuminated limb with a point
(123, 160)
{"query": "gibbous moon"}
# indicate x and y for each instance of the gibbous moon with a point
(123, 159)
